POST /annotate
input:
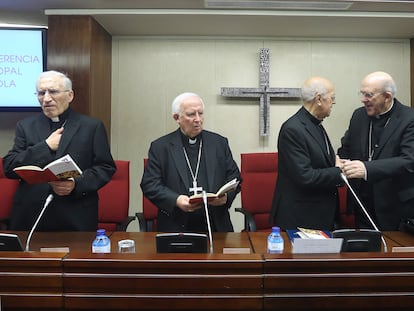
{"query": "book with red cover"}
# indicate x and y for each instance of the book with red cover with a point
(231, 185)
(60, 169)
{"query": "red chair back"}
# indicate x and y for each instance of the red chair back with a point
(149, 211)
(347, 220)
(8, 188)
(114, 200)
(259, 175)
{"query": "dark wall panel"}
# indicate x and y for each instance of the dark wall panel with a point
(81, 47)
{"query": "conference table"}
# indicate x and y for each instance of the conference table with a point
(60, 272)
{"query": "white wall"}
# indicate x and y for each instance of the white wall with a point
(149, 72)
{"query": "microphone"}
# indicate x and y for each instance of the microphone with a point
(364, 210)
(47, 202)
(210, 235)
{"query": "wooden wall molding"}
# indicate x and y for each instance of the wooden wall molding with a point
(412, 71)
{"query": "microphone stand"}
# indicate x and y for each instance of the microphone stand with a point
(210, 235)
(364, 210)
(47, 202)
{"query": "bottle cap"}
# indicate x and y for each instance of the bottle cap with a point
(100, 231)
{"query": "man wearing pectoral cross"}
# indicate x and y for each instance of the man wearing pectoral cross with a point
(186, 162)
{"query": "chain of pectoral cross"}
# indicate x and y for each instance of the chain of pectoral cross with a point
(195, 188)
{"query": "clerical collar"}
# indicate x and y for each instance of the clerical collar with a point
(314, 120)
(61, 118)
(188, 141)
(386, 113)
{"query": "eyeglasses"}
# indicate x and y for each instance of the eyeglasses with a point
(368, 95)
(51, 92)
(332, 97)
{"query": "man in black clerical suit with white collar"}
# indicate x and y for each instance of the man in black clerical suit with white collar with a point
(306, 192)
(47, 136)
(187, 161)
(378, 153)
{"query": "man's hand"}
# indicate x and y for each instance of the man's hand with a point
(63, 187)
(339, 162)
(219, 201)
(183, 202)
(354, 169)
(54, 139)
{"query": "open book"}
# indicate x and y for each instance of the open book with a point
(60, 169)
(313, 234)
(231, 185)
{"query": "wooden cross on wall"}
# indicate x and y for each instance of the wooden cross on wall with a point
(264, 92)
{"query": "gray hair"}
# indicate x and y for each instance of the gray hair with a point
(310, 90)
(176, 104)
(390, 86)
(67, 82)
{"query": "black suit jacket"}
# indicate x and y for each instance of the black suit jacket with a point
(392, 168)
(85, 139)
(166, 177)
(306, 188)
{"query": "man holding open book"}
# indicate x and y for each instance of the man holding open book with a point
(44, 138)
(183, 164)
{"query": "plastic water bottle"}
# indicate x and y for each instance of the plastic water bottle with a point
(275, 242)
(101, 244)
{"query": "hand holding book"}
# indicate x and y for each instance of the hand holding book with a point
(60, 169)
(230, 186)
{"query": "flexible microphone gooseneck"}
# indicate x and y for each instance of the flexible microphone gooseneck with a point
(210, 235)
(47, 202)
(364, 210)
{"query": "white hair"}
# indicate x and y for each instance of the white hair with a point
(177, 102)
(67, 83)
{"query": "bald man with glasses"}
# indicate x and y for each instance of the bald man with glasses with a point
(378, 155)
(306, 193)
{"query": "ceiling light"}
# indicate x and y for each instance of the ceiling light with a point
(277, 5)
(5, 25)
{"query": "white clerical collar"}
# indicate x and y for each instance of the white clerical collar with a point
(191, 141)
(381, 114)
(55, 119)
